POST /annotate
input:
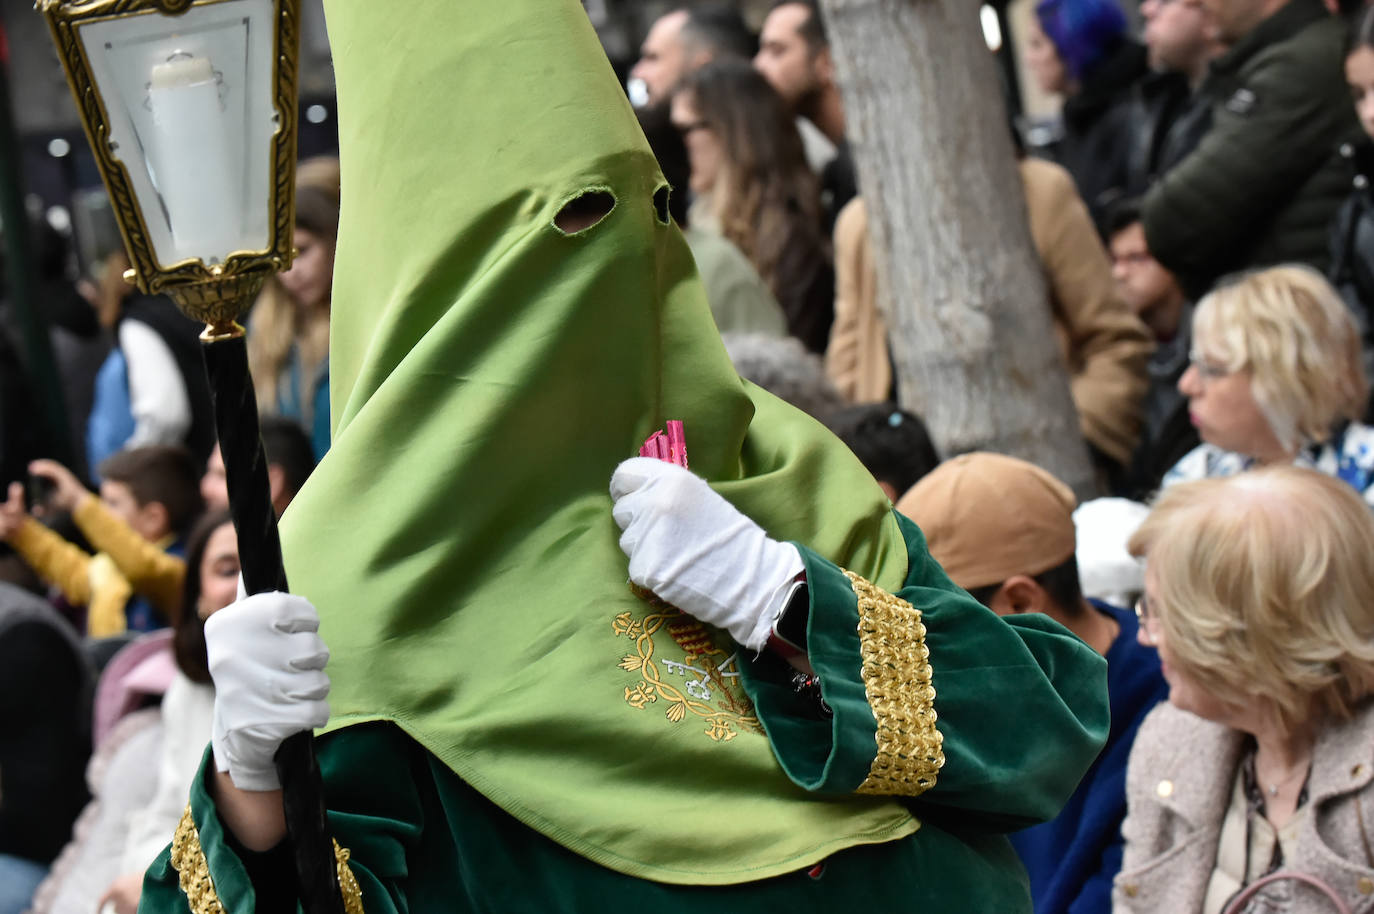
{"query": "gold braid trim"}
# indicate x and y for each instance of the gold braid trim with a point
(348, 883)
(896, 676)
(193, 872)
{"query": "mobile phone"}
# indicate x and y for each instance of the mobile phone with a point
(791, 625)
(38, 491)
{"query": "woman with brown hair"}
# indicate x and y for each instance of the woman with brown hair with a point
(751, 180)
(288, 341)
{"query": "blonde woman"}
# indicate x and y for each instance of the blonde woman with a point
(1276, 377)
(1257, 598)
(288, 340)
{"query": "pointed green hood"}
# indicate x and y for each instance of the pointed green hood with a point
(488, 373)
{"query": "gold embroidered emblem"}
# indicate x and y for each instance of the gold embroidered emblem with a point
(897, 681)
(710, 689)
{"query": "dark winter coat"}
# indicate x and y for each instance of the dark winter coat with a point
(1170, 120)
(45, 716)
(1262, 186)
(1352, 245)
(1098, 129)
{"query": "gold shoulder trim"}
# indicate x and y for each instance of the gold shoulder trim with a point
(193, 872)
(896, 677)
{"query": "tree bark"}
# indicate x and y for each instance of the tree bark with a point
(960, 283)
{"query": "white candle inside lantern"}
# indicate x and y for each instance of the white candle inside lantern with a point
(190, 160)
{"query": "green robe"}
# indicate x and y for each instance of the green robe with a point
(1021, 707)
(488, 372)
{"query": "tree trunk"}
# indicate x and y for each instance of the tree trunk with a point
(961, 285)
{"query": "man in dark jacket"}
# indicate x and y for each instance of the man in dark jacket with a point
(794, 56)
(1264, 183)
(1170, 113)
(682, 41)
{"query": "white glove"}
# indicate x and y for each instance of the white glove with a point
(695, 550)
(268, 666)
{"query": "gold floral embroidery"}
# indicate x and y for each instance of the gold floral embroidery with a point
(640, 695)
(711, 692)
(897, 680)
(193, 872)
(720, 731)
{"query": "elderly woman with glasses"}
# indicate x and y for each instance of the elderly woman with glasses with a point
(1276, 377)
(1261, 762)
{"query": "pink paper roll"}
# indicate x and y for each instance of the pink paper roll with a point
(677, 443)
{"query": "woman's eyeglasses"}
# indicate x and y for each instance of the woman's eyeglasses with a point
(1206, 368)
(1149, 622)
(687, 128)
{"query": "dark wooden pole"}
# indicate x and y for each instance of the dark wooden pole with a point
(255, 523)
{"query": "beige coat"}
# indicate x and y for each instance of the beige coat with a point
(1178, 786)
(1105, 345)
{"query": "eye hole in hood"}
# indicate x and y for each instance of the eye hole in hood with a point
(584, 211)
(661, 209)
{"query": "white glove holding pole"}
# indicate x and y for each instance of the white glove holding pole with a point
(267, 661)
(695, 550)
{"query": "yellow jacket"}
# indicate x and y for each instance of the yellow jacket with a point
(125, 563)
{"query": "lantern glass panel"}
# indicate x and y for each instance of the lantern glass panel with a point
(190, 104)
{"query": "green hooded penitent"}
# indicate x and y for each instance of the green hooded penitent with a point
(488, 372)
(564, 744)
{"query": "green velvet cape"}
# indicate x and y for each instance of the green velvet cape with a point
(1022, 711)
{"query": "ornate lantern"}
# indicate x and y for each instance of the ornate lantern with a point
(190, 109)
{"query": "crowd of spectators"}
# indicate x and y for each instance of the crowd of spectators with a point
(1204, 223)
(1200, 214)
(109, 566)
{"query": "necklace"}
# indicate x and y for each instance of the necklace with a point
(1273, 789)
